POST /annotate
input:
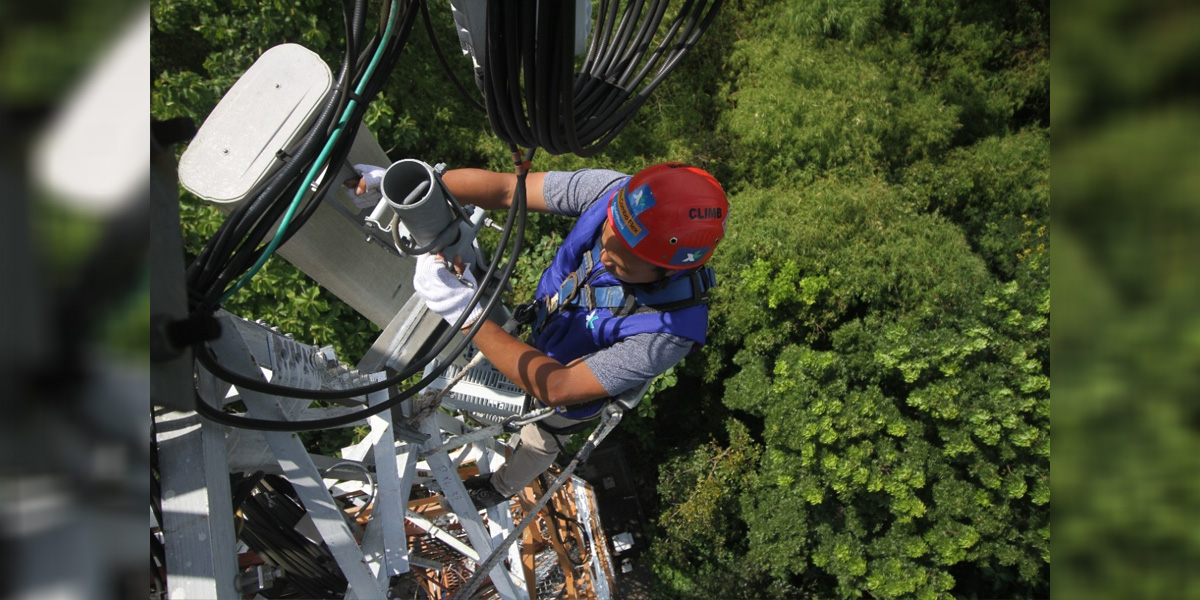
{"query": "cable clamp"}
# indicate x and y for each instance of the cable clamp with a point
(520, 166)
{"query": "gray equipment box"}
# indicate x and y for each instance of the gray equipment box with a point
(246, 139)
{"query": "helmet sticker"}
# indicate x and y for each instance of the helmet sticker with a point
(707, 213)
(689, 256)
(628, 208)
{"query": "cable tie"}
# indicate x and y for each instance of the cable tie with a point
(520, 166)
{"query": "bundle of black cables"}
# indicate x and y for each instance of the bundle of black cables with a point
(534, 98)
(238, 243)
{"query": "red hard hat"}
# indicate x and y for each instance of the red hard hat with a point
(671, 215)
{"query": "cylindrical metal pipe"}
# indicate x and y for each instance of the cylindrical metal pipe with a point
(409, 186)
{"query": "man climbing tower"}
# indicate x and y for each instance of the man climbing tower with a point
(624, 299)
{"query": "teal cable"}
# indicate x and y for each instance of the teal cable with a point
(316, 166)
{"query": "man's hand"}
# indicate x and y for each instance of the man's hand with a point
(445, 292)
(366, 189)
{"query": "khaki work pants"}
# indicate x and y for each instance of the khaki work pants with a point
(533, 456)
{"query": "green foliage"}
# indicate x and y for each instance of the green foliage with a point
(1127, 344)
(871, 87)
(45, 52)
(702, 548)
(893, 339)
(200, 48)
(995, 190)
(639, 428)
(836, 248)
(64, 241)
(808, 108)
(904, 398)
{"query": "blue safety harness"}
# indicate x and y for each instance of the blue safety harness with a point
(579, 290)
(581, 308)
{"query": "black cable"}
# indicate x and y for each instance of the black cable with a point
(494, 74)
(234, 248)
(247, 253)
(690, 35)
(268, 520)
(204, 355)
(538, 88)
(617, 48)
(521, 50)
(641, 42)
(247, 216)
(252, 225)
(531, 100)
(201, 276)
(605, 17)
(353, 19)
(617, 74)
(531, 95)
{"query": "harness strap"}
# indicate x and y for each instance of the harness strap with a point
(584, 413)
(624, 299)
(621, 300)
(695, 285)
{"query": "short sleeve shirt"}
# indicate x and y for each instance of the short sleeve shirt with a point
(625, 366)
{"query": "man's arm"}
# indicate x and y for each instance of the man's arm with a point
(494, 191)
(538, 374)
(541, 376)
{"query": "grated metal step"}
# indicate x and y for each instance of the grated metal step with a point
(484, 391)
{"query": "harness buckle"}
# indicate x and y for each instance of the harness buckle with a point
(526, 313)
(568, 289)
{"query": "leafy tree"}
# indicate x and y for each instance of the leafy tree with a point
(995, 190)
(703, 545)
(904, 398)
(885, 301)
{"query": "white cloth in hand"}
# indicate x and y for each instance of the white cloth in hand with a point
(372, 176)
(443, 292)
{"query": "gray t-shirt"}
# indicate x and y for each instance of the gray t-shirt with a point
(635, 360)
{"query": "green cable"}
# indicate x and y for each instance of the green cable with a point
(316, 166)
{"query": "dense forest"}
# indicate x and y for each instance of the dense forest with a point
(870, 417)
